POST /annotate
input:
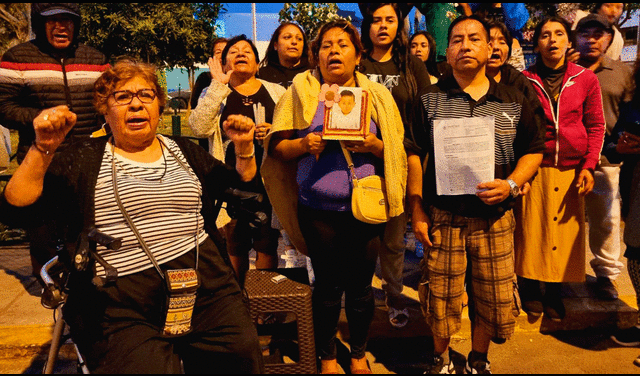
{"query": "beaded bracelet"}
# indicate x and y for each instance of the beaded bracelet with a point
(247, 156)
(41, 150)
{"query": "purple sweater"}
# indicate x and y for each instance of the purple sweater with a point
(325, 184)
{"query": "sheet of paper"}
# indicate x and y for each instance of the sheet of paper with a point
(463, 154)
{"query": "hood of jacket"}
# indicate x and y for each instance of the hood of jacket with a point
(38, 22)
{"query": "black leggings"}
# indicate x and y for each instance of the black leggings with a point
(342, 263)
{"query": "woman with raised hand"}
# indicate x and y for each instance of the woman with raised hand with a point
(204, 79)
(157, 194)
(308, 182)
(387, 60)
(287, 55)
(235, 90)
(550, 231)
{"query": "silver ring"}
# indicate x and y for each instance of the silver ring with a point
(46, 117)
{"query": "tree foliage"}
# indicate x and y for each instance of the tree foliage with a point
(14, 24)
(539, 11)
(310, 15)
(167, 35)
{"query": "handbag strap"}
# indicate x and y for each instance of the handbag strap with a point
(133, 227)
(352, 168)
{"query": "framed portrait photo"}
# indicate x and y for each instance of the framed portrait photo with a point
(346, 113)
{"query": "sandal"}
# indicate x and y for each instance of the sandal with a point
(361, 371)
(324, 364)
(398, 318)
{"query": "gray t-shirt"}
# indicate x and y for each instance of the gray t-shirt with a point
(617, 87)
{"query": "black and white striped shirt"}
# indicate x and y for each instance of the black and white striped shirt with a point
(517, 132)
(163, 205)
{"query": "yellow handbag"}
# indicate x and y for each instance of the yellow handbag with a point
(369, 202)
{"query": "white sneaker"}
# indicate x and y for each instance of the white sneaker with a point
(478, 367)
(437, 367)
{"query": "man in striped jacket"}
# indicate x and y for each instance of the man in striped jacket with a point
(49, 71)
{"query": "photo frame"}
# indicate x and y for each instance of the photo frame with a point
(346, 113)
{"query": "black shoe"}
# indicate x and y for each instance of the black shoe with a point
(531, 296)
(533, 307)
(556, 312)
(605, 289)
(553, 305)
(627, 337)
(477, 366)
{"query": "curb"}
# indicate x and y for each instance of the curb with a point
(582, 313)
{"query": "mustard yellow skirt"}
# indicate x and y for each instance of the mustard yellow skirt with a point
(550, 229)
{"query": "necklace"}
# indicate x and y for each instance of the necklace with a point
(143, 245)
(124, 169)
(247, 100)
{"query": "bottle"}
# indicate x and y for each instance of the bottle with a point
(410, 241)
(289, 258)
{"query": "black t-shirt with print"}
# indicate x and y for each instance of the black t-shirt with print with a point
(280, 75)
(389, 74)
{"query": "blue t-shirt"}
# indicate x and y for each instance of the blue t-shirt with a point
(325, 184)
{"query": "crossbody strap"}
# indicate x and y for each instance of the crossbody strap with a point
(143, 244)
(352, 168)
(134, 229)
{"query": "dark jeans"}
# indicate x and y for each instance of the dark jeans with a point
(342, 263)
(118, 327)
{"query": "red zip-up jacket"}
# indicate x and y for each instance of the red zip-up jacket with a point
(574, 136)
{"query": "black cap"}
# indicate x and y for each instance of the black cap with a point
(595, 20)
(60, 8)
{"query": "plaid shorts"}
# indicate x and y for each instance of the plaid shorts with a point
(488, 244)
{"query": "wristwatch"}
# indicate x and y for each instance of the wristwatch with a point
(515, 190)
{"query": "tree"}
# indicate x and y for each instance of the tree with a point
(14, 24)
(167, 35)
(310, 15)
(540, 11)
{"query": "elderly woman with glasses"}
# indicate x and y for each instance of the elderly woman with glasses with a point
(157, 195)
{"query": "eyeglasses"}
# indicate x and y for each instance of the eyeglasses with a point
(124, 97)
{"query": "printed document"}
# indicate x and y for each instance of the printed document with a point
(464, 154)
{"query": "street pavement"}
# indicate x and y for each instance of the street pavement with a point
(579, 344)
